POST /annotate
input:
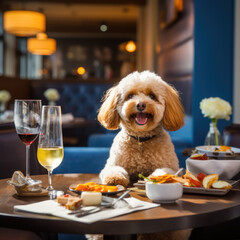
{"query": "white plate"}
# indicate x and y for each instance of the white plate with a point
(199, 190)
(210, 151)
(205, 191)
(120, 189)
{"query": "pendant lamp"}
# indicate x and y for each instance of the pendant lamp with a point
(41, 45)
(24, 23)
(130, 47)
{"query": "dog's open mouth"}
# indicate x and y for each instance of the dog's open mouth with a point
(141, 118)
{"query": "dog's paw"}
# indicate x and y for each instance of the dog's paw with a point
(116, 180)
(114, 175)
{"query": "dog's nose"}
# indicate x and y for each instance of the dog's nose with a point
(141, 106)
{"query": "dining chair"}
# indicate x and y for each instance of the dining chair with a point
(231, 135)
(13, 158)
(13, 155)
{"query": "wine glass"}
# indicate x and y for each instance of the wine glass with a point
(27, 123)
(50, 145)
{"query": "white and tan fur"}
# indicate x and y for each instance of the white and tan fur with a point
(154, 156)
(128, 157)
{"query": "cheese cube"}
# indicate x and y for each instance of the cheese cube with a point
(91, 198)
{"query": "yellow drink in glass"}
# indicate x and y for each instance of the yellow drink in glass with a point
(50, 158)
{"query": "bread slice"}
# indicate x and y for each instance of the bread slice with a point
(209, 180)
(70, 202)
(63, 199)
(73, 203)
(221, 185)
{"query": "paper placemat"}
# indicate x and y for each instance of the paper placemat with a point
(51, 207)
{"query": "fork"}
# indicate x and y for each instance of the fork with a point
(81, 212)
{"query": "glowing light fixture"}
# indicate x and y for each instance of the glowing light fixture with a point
(81, 70)
(24, 23)
(131, 46)
(41, 45)
(103, 27)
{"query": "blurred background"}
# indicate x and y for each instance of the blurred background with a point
(190, 44)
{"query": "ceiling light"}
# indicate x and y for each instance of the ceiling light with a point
(131, 46)
(24, 23)
(41, 45)
(81, 70)
(103, 27)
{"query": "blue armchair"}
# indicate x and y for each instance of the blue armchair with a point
(83, 160)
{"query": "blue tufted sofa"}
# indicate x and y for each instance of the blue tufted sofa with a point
(79, 98)
(82, 100)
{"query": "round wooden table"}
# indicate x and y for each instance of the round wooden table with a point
(188, 212)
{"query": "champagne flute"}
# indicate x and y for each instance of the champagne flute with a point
(27, 123)
(50, 145)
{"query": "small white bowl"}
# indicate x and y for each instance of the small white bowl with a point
(164, 192)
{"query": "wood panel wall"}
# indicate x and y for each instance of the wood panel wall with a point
(176, 47)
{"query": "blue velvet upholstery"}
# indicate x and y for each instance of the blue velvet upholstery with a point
(101, 140)
(80, 99)
(83, 160)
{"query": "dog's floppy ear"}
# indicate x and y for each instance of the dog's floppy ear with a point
(173, 118)
(108, 115)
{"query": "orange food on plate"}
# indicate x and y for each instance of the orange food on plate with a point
(190, 180)
(199, 156)
(201, 176)
(224, 148)
(205, 181)
(93, 187)
(167, 178)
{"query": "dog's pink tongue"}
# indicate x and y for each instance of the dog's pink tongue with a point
(141, 118)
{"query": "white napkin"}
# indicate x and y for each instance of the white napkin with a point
(51, 207)
(226, 169)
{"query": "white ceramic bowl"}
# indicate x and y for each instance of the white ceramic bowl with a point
(164, 192)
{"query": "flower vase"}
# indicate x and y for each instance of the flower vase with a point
(213, 137)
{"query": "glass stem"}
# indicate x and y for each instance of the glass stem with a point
(50, 188)
(28, 162)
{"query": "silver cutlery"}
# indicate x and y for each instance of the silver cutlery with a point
(82, 212)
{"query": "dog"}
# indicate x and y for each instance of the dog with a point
(144, 106)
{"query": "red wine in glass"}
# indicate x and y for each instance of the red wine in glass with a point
(27, 116)
(27, 138)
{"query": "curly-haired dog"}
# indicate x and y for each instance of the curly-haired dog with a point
(144, 106)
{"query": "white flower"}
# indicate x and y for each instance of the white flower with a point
(216, 108)
(5, 96)
(52, 94)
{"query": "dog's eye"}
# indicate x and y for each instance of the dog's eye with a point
(152, 96)
(130, 96)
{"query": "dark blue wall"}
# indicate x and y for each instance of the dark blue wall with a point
(213, 59)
